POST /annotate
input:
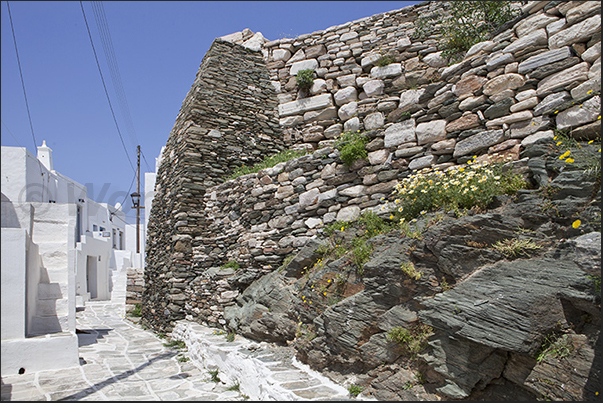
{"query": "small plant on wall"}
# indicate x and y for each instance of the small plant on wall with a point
(305, 79)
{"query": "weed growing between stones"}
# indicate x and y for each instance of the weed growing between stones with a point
(213, 373)
(351, 147)
(469, 22)
(459, 187)
(413, 339)
(235, 387)
(179, 344)
(514, 247)
(231, 264)
(355, 390)
(267, 162)
(409, 269)
(305, 79)
(368, 225)
(385, 60)
(556, 346)
(183, 359)
(230, 336)
(137, 311)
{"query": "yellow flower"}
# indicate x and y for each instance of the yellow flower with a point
(590, 142)
(309, 302)
(569, 160)
(555, 138)
(342, 228)
(328, 281)
(576, 223)
(556, 111)
(564, 155)
(559, 142)
(589, 91)
(324, 293)
(391, 217)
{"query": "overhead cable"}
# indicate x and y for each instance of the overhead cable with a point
(105, 87)
(21, 75)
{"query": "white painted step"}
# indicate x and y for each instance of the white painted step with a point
(51, 291)
(52, 307)
(48, 324)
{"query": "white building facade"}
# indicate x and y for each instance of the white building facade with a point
(59, 250)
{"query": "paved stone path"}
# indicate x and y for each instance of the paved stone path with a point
(121, 361)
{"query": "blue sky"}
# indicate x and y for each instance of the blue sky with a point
(158, 47)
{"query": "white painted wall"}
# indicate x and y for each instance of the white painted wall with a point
(14, 280)
(100, 251)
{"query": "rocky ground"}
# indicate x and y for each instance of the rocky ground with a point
(481, 323)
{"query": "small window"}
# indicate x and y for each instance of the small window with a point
(94, 227)
(102, 228)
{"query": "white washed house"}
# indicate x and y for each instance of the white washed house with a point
(59, 249)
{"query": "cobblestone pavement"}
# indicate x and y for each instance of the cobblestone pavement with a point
(121, 361)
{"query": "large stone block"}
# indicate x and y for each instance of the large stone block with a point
(305, 104)
(431, 132)
(391, 70)
(303, 65)
(533, 39)
(541, 59)
(400, 133)
(579, 114)
(345, 95)
(478, 142)
(498, 84)
(580, 32)
(573, 75)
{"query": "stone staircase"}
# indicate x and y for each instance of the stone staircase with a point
(52, 305)
(264, 371)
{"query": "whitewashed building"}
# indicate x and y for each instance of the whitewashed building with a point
(59, 250)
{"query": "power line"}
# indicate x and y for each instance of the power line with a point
(9, 132)
(105, 87)
(146, 163)
(105, 35)
(21, 75)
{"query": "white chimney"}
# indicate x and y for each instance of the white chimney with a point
(45, 155)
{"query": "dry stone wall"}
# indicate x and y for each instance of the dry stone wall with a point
(228, 118)
(539, 74)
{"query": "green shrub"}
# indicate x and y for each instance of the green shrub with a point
(213, 373)
(231, 264)
(471, 22)
(459, 187)
(385, 60)
(230, 337)
(137, 311)
(413, 339)
(351, 147)
(175, 343)
(268, 162)
(514, 247)
(355, 390)
(235, 387)
(409, 269)
(305, 79)
(361, 252)
(556, 346)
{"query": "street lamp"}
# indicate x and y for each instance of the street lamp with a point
(136, 203)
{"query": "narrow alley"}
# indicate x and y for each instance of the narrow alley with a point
(121, 361)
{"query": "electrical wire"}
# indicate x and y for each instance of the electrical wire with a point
(21, 75)
(105, 87)
(11, 134)
(146, 162)
(105, 35)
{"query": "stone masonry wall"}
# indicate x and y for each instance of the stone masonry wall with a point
(541, 72)
(228, 118)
